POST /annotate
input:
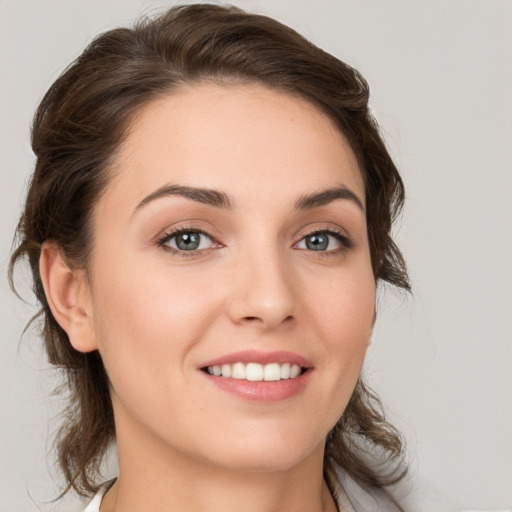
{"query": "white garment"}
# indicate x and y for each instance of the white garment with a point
(94, 505)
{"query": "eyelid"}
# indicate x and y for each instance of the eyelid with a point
(170, 235)
(343, 237)
(318, 228)
(174, 231)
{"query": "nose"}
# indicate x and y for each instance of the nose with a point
(262, 292)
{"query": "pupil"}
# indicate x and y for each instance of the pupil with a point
(317, 242)
(188, 241)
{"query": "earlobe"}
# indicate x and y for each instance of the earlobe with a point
(68, 297)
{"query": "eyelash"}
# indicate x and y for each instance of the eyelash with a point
(346, 242)
(179, 231)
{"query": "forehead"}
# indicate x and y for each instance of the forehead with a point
(237, 138)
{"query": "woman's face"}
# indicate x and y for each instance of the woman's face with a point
(231, 240)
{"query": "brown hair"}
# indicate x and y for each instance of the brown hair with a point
(80, 124)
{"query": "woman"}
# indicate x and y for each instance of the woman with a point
(207, 223)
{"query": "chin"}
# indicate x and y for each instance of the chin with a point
(265, 451)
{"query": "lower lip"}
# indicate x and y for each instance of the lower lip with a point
(262, 391)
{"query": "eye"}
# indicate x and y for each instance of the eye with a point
(326, 241)
(186, 240)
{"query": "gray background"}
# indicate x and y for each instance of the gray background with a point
(441, 76)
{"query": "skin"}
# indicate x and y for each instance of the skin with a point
(156, 316)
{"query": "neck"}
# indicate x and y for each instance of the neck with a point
(153, 478)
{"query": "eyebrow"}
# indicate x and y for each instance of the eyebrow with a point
(221, 200)
(324, 197)
(201, 195)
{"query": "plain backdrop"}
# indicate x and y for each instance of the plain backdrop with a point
(440, 72)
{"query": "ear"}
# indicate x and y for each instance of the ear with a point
(68, 296)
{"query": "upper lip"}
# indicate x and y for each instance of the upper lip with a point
(257, 356)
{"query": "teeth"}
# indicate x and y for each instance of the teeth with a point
(226, 370)
(294, 371)
(285, 371)
(272, 372)
(256, 372)
(238, 371)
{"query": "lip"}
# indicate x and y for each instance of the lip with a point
(263, 391)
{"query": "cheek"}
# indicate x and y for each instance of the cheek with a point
(147, 322)
(345, 307)
(344, 315)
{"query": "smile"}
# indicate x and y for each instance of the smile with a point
(259, 376)
(256, 372)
